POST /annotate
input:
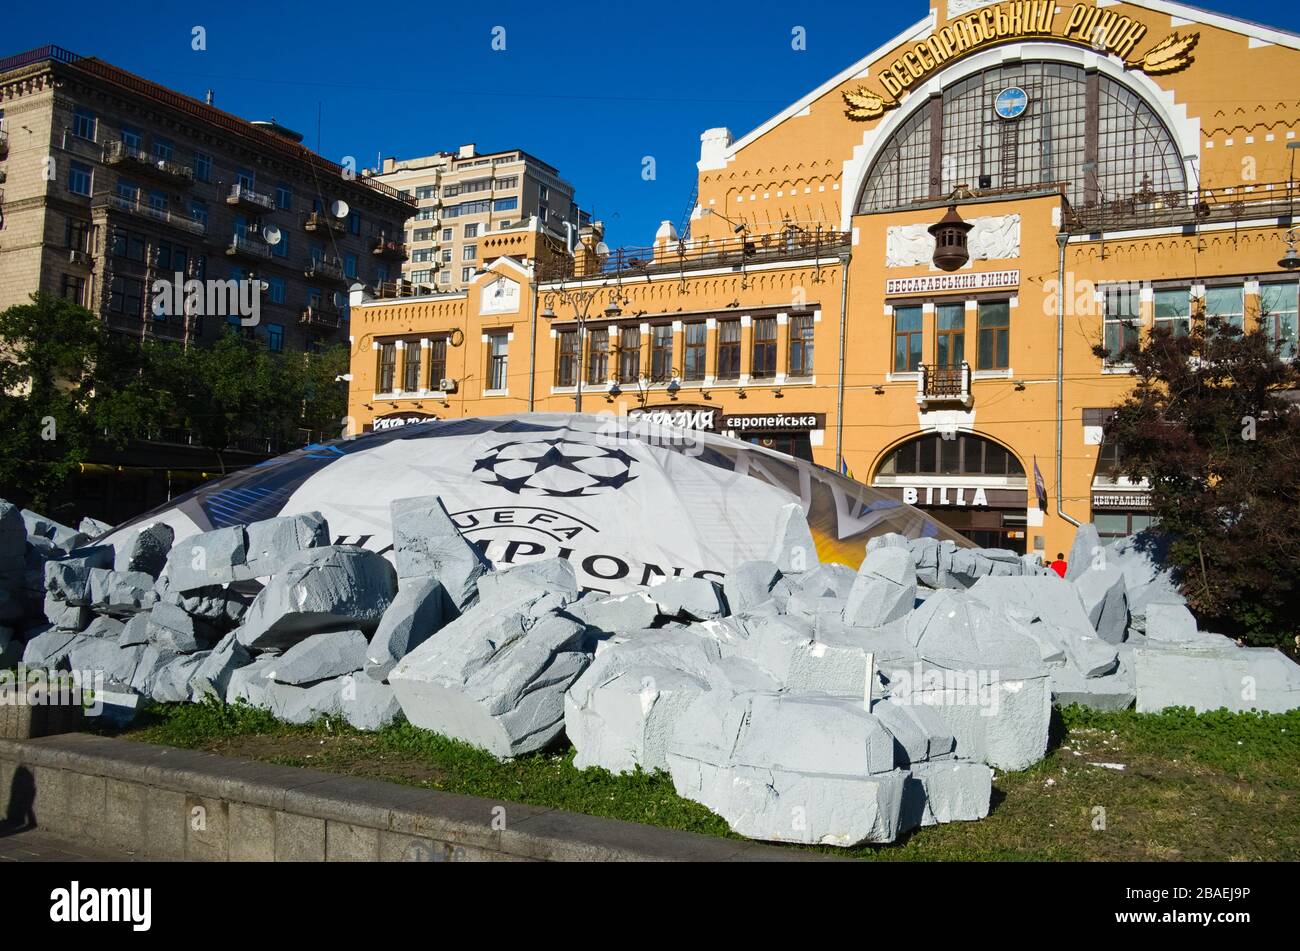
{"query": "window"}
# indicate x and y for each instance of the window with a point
(283, 195)
(566, 359)
(471, 231)
(1173, 310)
(76, 234)
(74, 289)
(446, 255)
(950, 335)
(729, 349)
(466, 274)
(661, 353)
(350, 265)
(963, 455)
(411, 366)
(281, 248)
(163, 149)
(276, 290)
(478, 185)
(423, 234)
(354, 223)
(629, 355)
(202, 167)
(422, 276)
(426, 191)
(437, 361)
(274, 337)
(505, 204)
(169, 257)
(79, 180)
(158, 200)
(126, 297)
(598, 357)
(1123, 320)
(764, 363)
(1226, 303)
(84, 123)
(696, 340)
(801, 345)
(543, 192)
(387, 367)
(444, 277)
(497, 366)
(128, 190)
(199, 213)
(469, 252)
(1278, 312)
(907, 339)
(446, 234)
(1122, 524)
(132, 138)
(245, 179)
(994, 334)
(127, 244)
(510, 181)
(426, 214)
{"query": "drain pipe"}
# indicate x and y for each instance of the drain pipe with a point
(845, 257)
(1062, 240)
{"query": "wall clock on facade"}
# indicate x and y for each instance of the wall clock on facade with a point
(1011, 103)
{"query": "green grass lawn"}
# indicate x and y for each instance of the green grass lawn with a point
(1217, 786)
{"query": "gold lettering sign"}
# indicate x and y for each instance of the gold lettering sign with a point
(1107, 31)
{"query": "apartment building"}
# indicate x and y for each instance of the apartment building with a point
(110, 182)
(464, 196)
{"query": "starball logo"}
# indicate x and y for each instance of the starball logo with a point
(175, 296)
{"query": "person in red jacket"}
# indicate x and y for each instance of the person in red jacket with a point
(1060, 564)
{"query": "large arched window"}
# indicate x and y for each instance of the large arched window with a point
(1081, 129)
(963, 455)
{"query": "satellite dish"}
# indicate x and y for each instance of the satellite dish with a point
(602, 250)
(271, 234)
(339, 208)
(339, 299)
(266, 286)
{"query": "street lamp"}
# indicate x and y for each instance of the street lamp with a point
(580, 301)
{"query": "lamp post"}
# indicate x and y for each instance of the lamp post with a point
(580, 301)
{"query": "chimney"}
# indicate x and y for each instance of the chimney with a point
(210, 97)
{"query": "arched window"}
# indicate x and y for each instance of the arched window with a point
(1083, 130)
(963, 455)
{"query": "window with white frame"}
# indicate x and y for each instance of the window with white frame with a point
(1173, 310)
(498, 351)
(1228, 303)
(1278, 311)
(1123, 320)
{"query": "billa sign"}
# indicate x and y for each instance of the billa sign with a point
(1084, 24)
(680, 416)
(957, 496)
(398, 420)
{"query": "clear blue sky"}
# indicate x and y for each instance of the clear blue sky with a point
(591, 88)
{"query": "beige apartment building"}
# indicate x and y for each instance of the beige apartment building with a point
(109, 182)
(463, 197)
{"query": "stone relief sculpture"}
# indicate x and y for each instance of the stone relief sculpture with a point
(908, 246)
(995, 238)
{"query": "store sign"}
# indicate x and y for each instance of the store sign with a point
(774, 422)
(683, 416)
(398, 420)
(957, 496)
(1084, 24)
(1139, 500)
(974, 281)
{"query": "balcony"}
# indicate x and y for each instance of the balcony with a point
(4, 144)
(389, 250)
(245, 245)
(936, 385)
(141, 162)
(180, 222)
(318, 222)
(1164, 209)
(247, 198)
(325, 269)
(320, 317)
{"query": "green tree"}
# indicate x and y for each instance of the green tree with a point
(1209, 426)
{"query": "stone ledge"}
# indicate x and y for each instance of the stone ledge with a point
(260, 811)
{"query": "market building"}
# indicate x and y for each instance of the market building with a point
(905, 274)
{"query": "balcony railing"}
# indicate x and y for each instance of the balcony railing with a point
(319, 221)
(324, 268)
(1152, 209)
(118, 203)
(939, 384)
(392, 250)
(248, 245)
(696, 254)
(320, 316)
(118, 153)
(239, 195)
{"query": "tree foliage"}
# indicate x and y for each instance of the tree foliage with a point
(68, 385)
(1209, 426)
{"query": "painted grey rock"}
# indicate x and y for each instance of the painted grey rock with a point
(105, 627)
(145, 550)
(633, 611)
(828, 581)
(49, 648)
(171, 679)
(67, 617)
(755, 586)
(525, 581)
(884, 590)
(212, 676)
(13, 531)
(134, 631)
(793, 548)
(152, 661)
(248, 684)
(956, 631)
(1104, 597)
(174, 630)
(273, 542)
(427, 544)
(332, 587)
(121, 593)
(688, 599)
(496, 681)
(1207, 678)
(92, 528)
(1115, 691)
(919, 732)
(367, 704)
(104, 657)
(414, 615)
(68, 581)
(1085, 553)
(321, 657)
(947, 791)
(208, 558)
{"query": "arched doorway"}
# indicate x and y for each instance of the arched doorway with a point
(972, 484)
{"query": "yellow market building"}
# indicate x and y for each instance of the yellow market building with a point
(904, 274)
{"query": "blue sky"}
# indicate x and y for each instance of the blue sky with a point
(591, 88)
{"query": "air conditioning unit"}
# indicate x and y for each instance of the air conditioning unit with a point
(76, 257)
(447, 386)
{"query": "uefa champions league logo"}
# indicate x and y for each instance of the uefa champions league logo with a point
(556, 468)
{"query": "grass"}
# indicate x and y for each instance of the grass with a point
(1222, 786)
